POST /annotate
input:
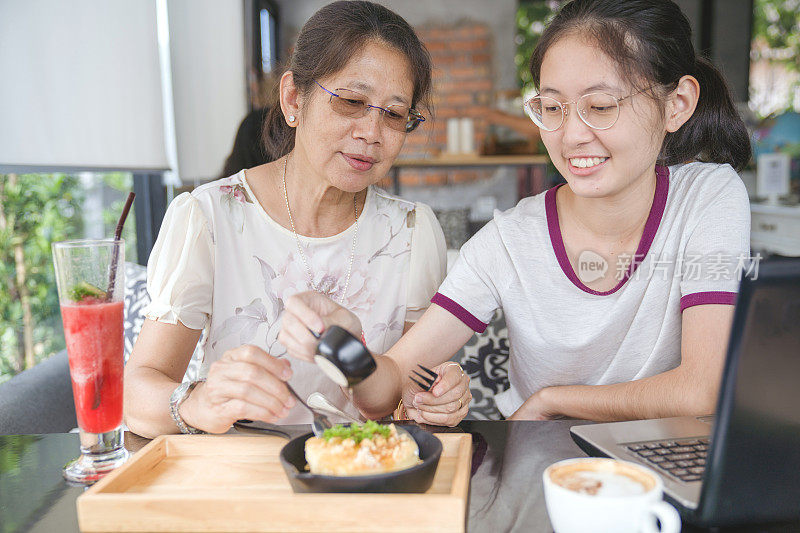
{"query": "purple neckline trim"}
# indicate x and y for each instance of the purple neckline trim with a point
(459, 312)
(710, 297)
(649, 233)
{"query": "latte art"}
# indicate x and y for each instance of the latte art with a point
(602, 478)
(602, 484)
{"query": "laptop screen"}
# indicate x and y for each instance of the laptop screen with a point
(752, 469)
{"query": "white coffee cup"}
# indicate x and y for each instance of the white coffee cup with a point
(606, 495)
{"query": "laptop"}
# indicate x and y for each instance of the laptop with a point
(743, 464)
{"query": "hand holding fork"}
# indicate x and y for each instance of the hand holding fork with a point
(440, 396)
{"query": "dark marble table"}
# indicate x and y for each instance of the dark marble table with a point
(505, 492)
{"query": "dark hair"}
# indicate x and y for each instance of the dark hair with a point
(248, 150)
(326, 43)
(651, 41)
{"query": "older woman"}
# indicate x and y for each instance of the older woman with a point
(231, 252)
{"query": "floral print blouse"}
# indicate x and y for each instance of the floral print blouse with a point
(221, 264)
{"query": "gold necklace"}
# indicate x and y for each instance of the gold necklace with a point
(300, 248)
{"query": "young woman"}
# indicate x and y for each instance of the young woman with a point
(231, 252)
(617, 287)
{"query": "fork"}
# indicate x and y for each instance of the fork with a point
(427, 381)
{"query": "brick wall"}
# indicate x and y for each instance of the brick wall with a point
(462, 86)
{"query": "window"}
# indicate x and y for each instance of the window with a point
(268, 41)
(261, 52)
(35, 211)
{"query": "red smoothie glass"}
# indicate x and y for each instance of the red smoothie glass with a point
(91, 285)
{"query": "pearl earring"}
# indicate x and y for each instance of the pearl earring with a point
(291, 118)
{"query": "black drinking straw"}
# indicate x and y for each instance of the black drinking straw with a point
(112, 278)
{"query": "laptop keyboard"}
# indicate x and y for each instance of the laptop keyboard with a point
(684, 459)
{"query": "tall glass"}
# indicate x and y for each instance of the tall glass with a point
(90, 277)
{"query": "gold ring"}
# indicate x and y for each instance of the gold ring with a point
(459, 405)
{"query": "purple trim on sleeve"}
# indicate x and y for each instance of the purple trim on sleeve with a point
(710, 297)
(459, 312)
(649, 233)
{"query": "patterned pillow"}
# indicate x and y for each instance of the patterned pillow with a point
(136, 300)
(485, 359)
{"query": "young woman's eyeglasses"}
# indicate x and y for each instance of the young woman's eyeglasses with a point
(599, 111)
(352, 104)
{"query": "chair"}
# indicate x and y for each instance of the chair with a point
(38, 400)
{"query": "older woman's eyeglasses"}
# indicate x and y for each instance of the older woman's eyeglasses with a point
(599, 111)
(352, 104)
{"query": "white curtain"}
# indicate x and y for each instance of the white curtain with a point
(81, 85)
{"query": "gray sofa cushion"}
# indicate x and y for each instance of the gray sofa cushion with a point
(38, 400)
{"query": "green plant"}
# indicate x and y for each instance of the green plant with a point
(532, 17)
(776, 40)
(776, 23)
(35, 211)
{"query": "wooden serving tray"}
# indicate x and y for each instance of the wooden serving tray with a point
(236, 483)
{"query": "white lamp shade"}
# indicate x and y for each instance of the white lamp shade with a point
(81, 86)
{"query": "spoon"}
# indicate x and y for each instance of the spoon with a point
(321, 403)
(320, 423)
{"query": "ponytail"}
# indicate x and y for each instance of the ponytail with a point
(715, 133)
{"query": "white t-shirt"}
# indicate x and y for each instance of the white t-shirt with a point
(563, 333)
(221, 262)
